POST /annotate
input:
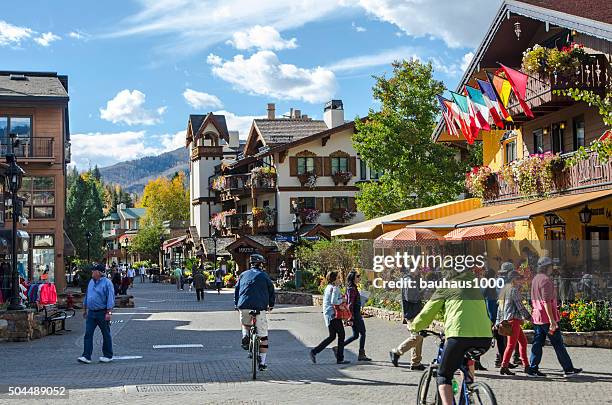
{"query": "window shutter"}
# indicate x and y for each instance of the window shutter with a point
(328, 203)
(318, 161)
(291, 204)
(352, 204)
(319, 202)
(327, 166)
(293, 166)
(353, 165)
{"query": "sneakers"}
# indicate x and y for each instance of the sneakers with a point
(342, 361)
(572, 373)
(245, 342)
(505, 371)
(313, 357)
(262, 367)
(362, 357)
(105, 359)
(394, 358)
(534, 373)
(84, 360)
(417, 367)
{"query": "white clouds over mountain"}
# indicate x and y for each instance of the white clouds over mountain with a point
(127, 107)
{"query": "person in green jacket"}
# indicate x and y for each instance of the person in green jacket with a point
(466, 325)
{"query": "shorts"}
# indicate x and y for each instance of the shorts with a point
(262, 321)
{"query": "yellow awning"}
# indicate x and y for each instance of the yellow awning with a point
(540, 207)
(373, 228)
(456, 220)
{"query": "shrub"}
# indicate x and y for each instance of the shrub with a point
(229, 280)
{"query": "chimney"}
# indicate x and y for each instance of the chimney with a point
(333, 113)
(305, 117)
(234, 141)
(297, 114)
(291, 113)
(271, 111)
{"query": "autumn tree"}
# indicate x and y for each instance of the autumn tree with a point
(397, 141)
(165, 200)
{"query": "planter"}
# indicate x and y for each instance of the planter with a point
(602, 339)
(341, 177)
(341, 215)
(308, 179)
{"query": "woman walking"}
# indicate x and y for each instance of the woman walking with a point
(511, 309)
(353, 301)
(332, 298)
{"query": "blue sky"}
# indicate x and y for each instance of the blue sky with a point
(138, 68)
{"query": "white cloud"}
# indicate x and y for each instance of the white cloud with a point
(172, 141)
(128, 107)
(358, 28)
(465, 61)
(78, 35)
(364, 61)
(87, 149)
(262, 73)
(13, 35)
(261, 38)
(46, 38)
(199, 99)
(455, 22)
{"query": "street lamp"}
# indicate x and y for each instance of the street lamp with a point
(214, 238)
(88, 236)
(126, 245)
(585, 215)
(161, 253)
(13, 178)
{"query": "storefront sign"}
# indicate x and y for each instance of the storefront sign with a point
(283, 238)
(246, 249)
(312, 238)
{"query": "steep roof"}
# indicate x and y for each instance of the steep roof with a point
(113, 216)
(284, 130)
(196, 121)
(19, 85)
(592, 9)
(133, 213)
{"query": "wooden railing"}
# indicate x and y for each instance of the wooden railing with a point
(199, 152)
(39, 147)
(594, 75)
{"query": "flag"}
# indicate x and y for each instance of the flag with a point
(479, 106)
(502, 90)
(472, 130)
(488, 94)
(456, 114)
(518, 81)
(447, 114)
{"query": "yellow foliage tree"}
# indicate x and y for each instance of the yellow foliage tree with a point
(165, 200)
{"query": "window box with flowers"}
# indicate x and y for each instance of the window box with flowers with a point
(263, 216)
(341, 176)
(481, 181)
(341, 214)
(308, 179)
(309, 215)
(263, 177)
(219, 183)
(217, 221)
(553, 61)
(538, 174)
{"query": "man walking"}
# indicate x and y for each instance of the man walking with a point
(199, 282)
(411, 306)
(131, 273)
(178, 274)
(97, 310)
(545, 316)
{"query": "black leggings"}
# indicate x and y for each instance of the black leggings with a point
(454, 354)
(359, 332)
(335, 328)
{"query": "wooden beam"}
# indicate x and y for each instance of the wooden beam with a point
(282, 155)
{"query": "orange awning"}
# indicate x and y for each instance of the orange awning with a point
(406, 237)
(482, 232)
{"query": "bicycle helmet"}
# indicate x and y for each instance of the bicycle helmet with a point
(257, 259)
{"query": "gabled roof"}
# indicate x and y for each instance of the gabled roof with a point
(198, 122)
(590, 17)
(284, 130)
(133, 213)
(43, 85)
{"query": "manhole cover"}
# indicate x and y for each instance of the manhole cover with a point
(170, 388)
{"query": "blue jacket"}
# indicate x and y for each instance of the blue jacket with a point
(254, 290)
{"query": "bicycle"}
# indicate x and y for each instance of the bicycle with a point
(254, 343)
(472, 393)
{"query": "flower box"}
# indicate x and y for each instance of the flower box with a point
(308, 179)
(341, 214)
(341, 177)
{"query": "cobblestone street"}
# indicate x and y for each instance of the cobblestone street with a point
(218, 372)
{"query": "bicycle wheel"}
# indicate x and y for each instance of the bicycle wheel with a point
(482, 394)
(427, 392)
(255, 354)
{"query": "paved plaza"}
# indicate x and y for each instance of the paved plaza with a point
(218, 371)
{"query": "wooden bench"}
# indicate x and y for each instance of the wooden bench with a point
(54, 315)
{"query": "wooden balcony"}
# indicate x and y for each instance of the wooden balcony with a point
(595, 76)
(586, 175)
(245, 224)
(240, 185)
(38, 148)
(200, 152)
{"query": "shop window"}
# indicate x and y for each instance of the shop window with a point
(305, 165)
(538, 141)
(578, 132)
(510, 152)
(43, 257)
(339, 164)
(39, 195)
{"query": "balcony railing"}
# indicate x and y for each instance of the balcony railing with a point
(586, 175)
(245, 224)
(594, 75)
(29, 148)
(230, 186)
(199, 152)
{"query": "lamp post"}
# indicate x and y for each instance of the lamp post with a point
(214, 238)
(14, 176)
(126, 245)
(585, 215)
(88, 236)
(296, 238)
(161, 253)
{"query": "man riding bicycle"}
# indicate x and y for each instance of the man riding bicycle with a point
(255, 292)
(466, 326)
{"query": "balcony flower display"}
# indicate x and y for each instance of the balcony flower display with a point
(536, 174)
(263, 215)
(218, 220)
(263, 176)
(308, 179)
(341, 176)
(480, 181)
(603, 148)
(219, 183)
(341, 214)
(541, 60)
(309, 215)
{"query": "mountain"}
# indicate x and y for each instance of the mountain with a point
(133, 175)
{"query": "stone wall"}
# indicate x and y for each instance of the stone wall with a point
(22, 326)
(298, 298)
(601, 339)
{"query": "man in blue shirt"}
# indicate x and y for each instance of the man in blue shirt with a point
(97, 310)
(255, 292)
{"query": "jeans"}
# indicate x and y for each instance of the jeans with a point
(199, 293)
(359, 332)
(96, 318)
(540, 333)
(335, 328)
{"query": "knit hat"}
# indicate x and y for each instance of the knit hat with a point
(506, 267)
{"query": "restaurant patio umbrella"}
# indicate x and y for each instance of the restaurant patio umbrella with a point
(406, 237)
(482, 232)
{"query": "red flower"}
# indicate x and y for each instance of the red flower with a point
(564, 314)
